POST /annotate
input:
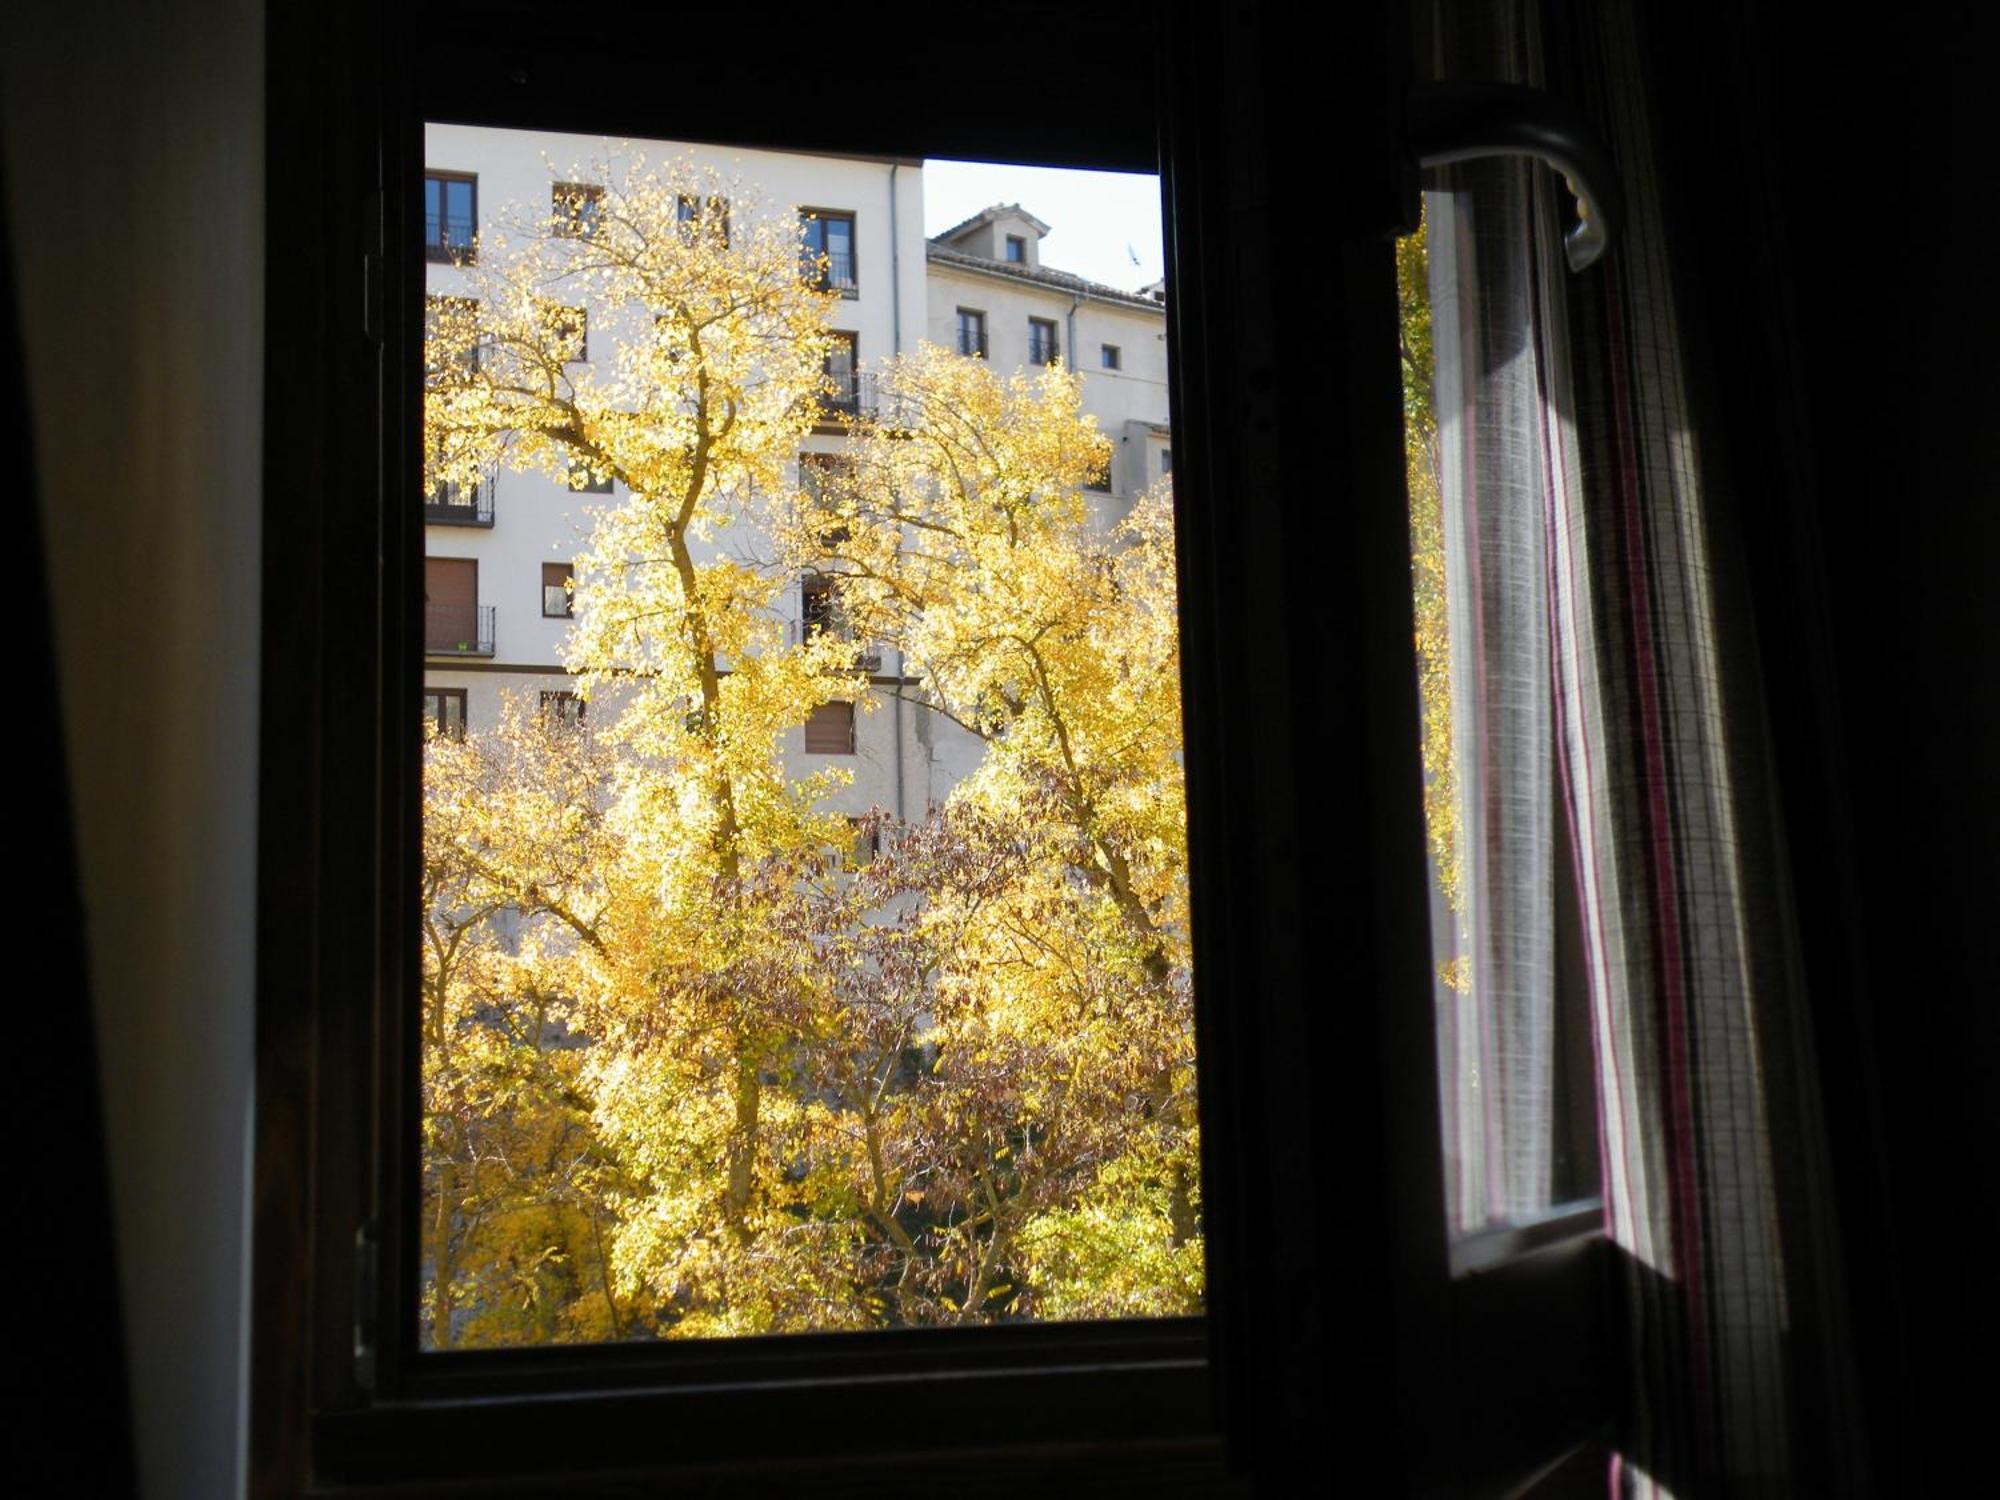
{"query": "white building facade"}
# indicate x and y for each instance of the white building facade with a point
(496, 612)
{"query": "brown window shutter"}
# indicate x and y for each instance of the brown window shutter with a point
(830, 730)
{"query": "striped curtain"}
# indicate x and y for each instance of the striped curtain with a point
(1597, 620)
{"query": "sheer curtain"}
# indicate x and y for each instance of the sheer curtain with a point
(1603, 673)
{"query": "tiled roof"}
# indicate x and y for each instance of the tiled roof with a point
(988, 215)
(1038, 275)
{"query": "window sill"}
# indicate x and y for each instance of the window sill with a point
(863, 1407)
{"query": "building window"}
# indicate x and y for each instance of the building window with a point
(569, 328)
(586, 482)
(866, 843)
(557, 597)
(574, 209)
(563, 708)
(444, 712)
(1017, 249)
(972, 333)
(706, 216)
(1042, 348)
(826, 250)
(451, 217)
(451, 337)
(843, 374)
(1166, 460)
(1108, 357)
(455, 623)
(830, 729)
(449, 503)
(818, 608)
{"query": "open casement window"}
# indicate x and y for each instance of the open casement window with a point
(1331, 1337)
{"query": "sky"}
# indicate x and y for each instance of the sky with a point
(1098, 221)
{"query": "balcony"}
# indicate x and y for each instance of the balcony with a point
(825, 619)
(850, 397)
(458, 630)
(837, 275)
(458, 505)
(448, 239)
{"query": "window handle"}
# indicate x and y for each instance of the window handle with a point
(1450, 122)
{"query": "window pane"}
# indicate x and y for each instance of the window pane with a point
(1515, 1072)
(839, 976)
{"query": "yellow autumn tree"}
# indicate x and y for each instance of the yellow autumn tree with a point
(706, 373)
(962, 532)
(519, 1188)
(1427, 579)
(951, 1087)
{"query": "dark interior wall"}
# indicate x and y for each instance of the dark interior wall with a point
(133, 147)
(133, 139)
(1889, 135)
(1831, 186)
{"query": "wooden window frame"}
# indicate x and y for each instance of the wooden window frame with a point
(1013, 243)
(840, 410)
(704, 214)
(559, 699)
(444, 694)
(580, 328)
(441, 252)
(563, 581)
(1050, 341)
(573, 209)
(851, 288)
(978, 315)
(1334, 1325)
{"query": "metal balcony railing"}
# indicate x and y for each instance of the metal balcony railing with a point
(458, 629)
(852, 393)
(459, 505)
(971, 343)
(867, 654)
(448, 238)
(839, 273)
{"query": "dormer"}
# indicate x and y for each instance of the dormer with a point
(1005, 232)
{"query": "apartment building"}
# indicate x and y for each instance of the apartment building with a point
(988, 294)
(496, 559)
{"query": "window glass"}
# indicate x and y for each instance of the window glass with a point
(451, 218)
(842, 367)
(1516, 1078)
(1041, 341)
(840, 977)
(573, 209)
(971, 332)
(555, 591)
(444, 712)
(828, 249)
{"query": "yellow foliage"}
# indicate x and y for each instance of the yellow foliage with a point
(783, 1095)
